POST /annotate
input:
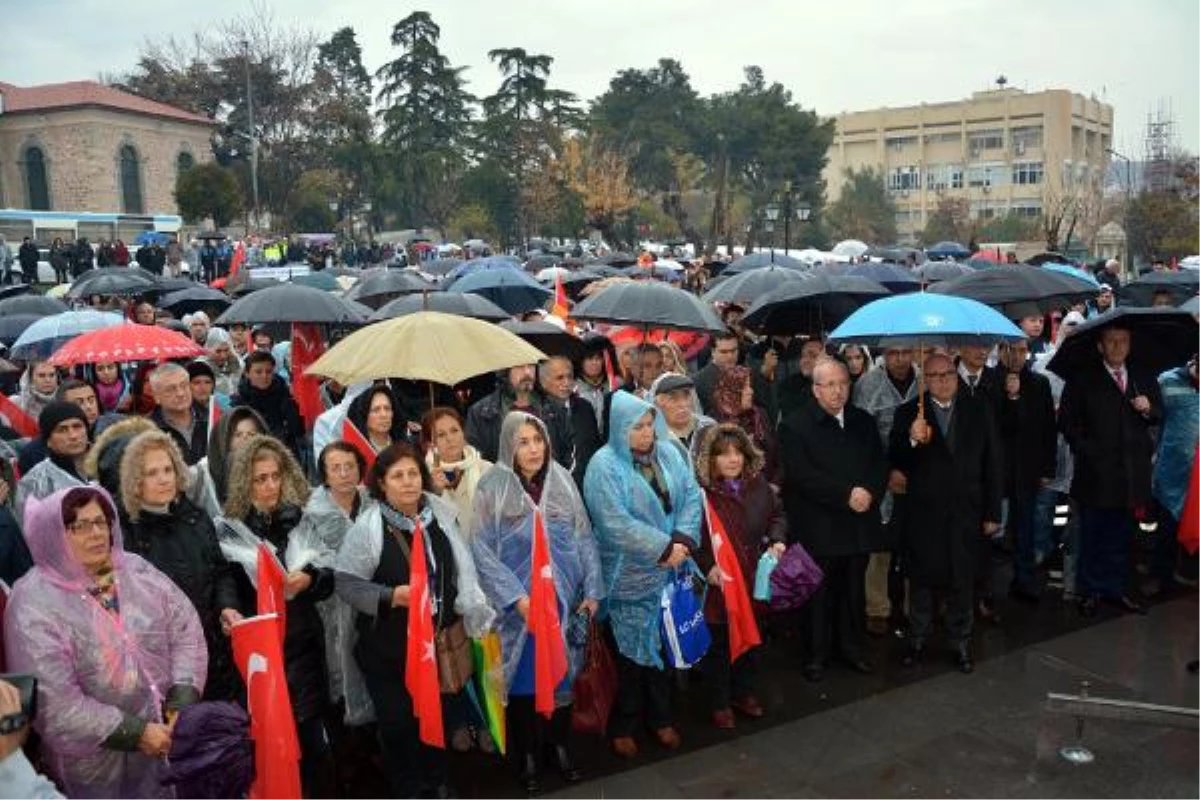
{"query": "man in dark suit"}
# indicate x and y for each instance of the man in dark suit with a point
(557, 378)
(1029, 441)
(950, 458)
(1106, 413)
(836, 474)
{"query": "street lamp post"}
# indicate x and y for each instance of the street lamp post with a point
(772, 212)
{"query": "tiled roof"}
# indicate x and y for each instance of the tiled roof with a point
(76, 94)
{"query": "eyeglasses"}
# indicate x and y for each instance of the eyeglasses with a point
(82, 527)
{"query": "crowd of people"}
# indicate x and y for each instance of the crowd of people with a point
(126, 524)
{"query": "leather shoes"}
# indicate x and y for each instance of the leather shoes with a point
(962, 657)
(860, 665)
(529, 774)
(1087, 607)
(1128, 605)
(624, 746)
(814, 672)
(723, 719)
(667, 737)
(566, 766)
(913, 655)
(749, 706)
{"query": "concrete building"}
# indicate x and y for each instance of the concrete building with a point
(1003, 150)
(84, 146)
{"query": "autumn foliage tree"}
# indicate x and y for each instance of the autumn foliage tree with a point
(600, 178)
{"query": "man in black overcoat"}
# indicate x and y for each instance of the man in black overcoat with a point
(1106, 413)
(950, 458)
(835, 477)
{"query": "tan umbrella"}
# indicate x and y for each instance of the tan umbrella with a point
(425, 346)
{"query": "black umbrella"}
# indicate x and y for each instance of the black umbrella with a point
(761, 259)
(811, 306)
(513, 290)
(13, 325)
(197, 297)
(1047, 257)
(377, 289)
(649, 304)
(1018, 291)
(290, 302)
(539, 263)
(935, 271)
(439, 266)
(618, 259)
(37, 304)
(464, 305)
(169, 284)
(893, 277)
(1160, 338)
(15, 290)
(251, 285)
(550, 339)
(113, 280)
(752, 284)
(1179, 286)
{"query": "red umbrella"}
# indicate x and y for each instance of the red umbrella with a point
(690, 342)
(127, 342)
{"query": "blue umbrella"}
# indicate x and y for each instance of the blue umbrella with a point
(948, 250)
(146, 238)
(895, 279)
(1065, 269)
(511, 289)
(924, 319)
(485, 264)
(45, 336)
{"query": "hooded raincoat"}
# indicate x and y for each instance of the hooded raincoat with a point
(502, 542)
(633, 526)
(101, 675)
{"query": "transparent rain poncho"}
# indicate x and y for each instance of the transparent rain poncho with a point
(633, 528)
(305, 546)
(359, 557)
(95, 668)
(501, 540)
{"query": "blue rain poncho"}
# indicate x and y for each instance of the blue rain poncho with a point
(501, 539)
(1177, 441)
(633, 528)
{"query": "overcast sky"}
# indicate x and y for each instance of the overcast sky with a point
(840, 55)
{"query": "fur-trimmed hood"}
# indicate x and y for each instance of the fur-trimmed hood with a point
(103, 461)
(704, 457)
(295, 488)
(133, 462)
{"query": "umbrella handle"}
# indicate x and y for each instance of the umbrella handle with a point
(921, 384)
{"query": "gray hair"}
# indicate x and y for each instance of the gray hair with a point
(164, 371)
(543, 367)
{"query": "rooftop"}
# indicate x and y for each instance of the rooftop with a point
(83, 94)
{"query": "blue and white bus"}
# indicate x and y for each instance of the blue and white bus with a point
(45, 226)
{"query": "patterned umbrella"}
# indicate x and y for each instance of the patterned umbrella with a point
(128, 342)
(48, 334)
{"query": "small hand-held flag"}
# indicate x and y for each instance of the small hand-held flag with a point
(420, 664)
(271, 578)
(239, 258)
(258, 652)
(549, 650)
(307, 347)
(561, 307)
(21, 422)
(743, 628)
(358, 440)
(214, 414)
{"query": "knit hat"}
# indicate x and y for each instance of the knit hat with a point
(201, 367)
(57, 412)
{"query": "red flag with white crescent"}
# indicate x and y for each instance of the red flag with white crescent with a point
(358, 440)
(420, 664)
(743, 628)
(549, 650)
(258, 653)
(307, 347)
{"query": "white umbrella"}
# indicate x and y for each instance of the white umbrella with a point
(850, 247)
(550, 273)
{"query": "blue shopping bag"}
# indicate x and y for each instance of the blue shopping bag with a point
(684, 632)
(762, 576)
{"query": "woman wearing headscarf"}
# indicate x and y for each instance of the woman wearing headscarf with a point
(731, 470)
(857, 359)
(455, 467)
(115, 645)
(266, 496)
(223, 360)
(526, 482)
(232, 430)
(113, 387)
(373, 581)
(733, 402)
(176, 536)
(645, 507)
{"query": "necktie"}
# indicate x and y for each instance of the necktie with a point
(974, 381)
(1119, 374)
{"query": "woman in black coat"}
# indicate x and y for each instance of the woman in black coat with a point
(170, 532)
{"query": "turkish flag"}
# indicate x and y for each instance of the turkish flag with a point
(239, 257)
(359, 441)
(21, 422)
(214, 414)
(549, 651)
(258, 652)
(1189, 522)
(420, 663)
(307, 347)
(561, 307)
(271, 578)
(743, 628)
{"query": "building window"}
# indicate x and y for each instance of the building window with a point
(131, 181)
(37, 186)
(986, 140)
(1025, 138)
(1030, 211)
(904, 178)
(1027, 173)
(184, 162)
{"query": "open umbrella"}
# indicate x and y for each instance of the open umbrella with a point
(426, 346)
(113, 280)
(37, 304)
(948, 250)
(547, 337)
(380, 287)
(318, 280)
(13, 325)
(1191, 305)
(514, 291)
(48, 334)
(1047, 257)
(287, 302)
(549, 274)
(690, 343)
(811, 306)
(924, 319)
(763, 258)
(440, 266)
(486, 264)
(1178, 286)
(15, 289)
(128, 342)
(169, 284)
(618, 259)
(463, 305)
(250, 285)
(1160, 338)
(935, 271)
(1074, 272)
(653, 271)
(537, 264)
(850, 247)
(1018, 291)
(894, 278)
(195, 298)
(648, 304)
(748, 286)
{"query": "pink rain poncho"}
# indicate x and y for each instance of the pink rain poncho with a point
(95, 669)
